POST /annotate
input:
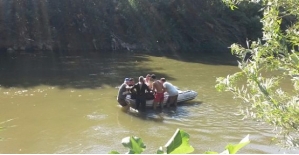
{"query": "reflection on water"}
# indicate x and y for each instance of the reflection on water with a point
(67, 104)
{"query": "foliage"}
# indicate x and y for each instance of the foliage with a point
(177, 144)
(179, 25)
(135, 145)
(233, 148)
(266, 64)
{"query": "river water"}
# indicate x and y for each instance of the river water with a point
(67, 104)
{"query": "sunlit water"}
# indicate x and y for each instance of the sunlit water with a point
(67, 104)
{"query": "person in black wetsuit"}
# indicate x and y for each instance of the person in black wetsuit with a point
(131, 84)
(140, 88)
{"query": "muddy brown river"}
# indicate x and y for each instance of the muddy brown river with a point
(67, 104)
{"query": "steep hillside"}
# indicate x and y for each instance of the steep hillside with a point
(112, 25)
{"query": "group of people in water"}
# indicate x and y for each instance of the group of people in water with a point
(149, 85)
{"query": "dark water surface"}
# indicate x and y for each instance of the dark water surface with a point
(67, 104)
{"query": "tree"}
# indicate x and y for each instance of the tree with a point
(152, 25)
(266, 64)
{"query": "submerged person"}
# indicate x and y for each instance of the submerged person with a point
(140, 88)
(172, 91)
(122, 94)
(159, 92)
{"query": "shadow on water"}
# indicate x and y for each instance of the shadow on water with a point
(84, 70)
(190, 103)
(160, 115)
(148, 115)
(203, 58)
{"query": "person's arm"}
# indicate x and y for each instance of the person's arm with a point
(132, 88)
(164, 87)
(124, 90)
(147, 88)
(154, 87)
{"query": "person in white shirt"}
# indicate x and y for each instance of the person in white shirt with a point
(172, 92)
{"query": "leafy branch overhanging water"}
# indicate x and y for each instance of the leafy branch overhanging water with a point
(275, 54)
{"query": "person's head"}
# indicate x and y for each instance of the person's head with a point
(141, 79)
(163, 80)
(153, 76)
(127, 81)
(148, 77)
(131, 81)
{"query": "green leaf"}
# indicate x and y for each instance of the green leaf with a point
(233, 149)
(179, 143)
(114, 152)
(294, 58)
(233, 7)
(225, 152)
(135, 144)
(211, 152)
(160, 150)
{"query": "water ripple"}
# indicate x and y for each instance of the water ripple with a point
(96, 116)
